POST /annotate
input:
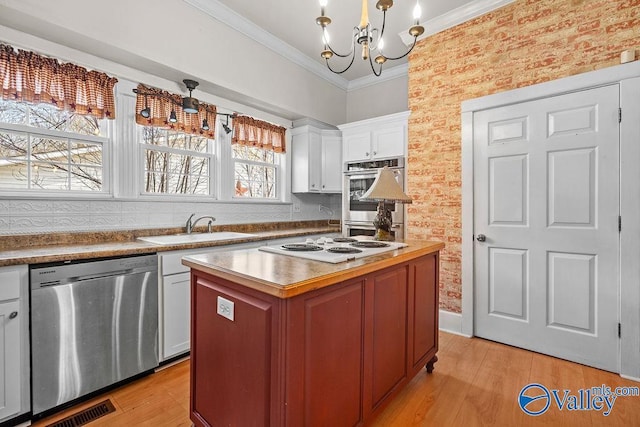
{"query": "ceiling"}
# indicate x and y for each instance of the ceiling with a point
(293, 22)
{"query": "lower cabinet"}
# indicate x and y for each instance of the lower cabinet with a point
(14, 342)
(331, 357)
(177, 312)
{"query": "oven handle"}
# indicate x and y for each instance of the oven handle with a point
(369, 227)
(370, 172)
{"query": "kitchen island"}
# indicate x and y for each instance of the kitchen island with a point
(283, 341)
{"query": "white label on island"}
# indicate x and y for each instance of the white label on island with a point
(225, 308)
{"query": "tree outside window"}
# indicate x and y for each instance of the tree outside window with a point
(43, 148)
(176, 162)
(256, 172)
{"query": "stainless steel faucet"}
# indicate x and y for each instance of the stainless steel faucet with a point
(191, 224)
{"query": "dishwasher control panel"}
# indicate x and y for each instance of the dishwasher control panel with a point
(52, 274)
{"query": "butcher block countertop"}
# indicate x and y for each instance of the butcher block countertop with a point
(42, 248)
(286, 276)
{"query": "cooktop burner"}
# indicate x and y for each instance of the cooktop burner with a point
(344, 240)
(343, 250)
(303, 247)
(370, 244)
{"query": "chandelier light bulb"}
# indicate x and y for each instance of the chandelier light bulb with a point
(323, 5)
(417, 12)
(380, 45)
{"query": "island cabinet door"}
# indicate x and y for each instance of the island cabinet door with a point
(324, 357)
(423, 322)
(385, 361)
(234, 353)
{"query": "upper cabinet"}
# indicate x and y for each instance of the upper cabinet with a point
(316, 160)
(376, 138)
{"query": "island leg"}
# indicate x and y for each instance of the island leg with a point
(430, 363)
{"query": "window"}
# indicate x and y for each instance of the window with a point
(176, 162)
(43, 148)
(256, 172)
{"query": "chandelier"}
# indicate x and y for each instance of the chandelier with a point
(369, 38)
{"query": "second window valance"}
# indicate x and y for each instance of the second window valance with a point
(258, 133)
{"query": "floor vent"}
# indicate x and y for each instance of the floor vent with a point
(86, 415)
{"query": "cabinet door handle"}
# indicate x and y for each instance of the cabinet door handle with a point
(13, 315)
(375, 152)
(366, 154)
(323, 186)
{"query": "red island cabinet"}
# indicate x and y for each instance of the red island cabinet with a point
(333, 356)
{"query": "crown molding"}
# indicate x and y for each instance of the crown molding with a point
(401, 70)
(232, 19)
(455, 17)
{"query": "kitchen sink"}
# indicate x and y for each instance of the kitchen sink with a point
(177, 239)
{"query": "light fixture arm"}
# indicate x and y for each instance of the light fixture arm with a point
(356, 31)
(376, 73)
(353, 57)
(384, 22)
(415, 40)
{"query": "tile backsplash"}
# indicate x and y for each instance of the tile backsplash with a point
(45, 216)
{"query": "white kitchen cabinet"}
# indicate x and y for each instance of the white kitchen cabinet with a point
(377, 138)
(316, 160)
(176, 290)
(331, 164)
(14, 342)
(175, 298)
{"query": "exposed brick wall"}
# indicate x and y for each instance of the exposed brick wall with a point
(521, 44)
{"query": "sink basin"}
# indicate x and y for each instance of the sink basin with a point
(177, 239)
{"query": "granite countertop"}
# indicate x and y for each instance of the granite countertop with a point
(285, 276)
(35, 249)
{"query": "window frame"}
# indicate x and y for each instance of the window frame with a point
(104, 141)
(278, 176)
(210, 154)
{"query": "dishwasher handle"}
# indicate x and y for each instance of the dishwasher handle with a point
(87, 277)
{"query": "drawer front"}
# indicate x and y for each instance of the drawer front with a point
(9, 285)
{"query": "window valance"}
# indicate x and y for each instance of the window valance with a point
(161, 103)
(28, 76)
(258, 133)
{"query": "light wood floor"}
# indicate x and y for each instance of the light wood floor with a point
(475, 383)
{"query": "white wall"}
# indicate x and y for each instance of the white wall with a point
(380, 99)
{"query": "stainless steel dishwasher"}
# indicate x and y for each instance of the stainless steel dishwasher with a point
(93, 324)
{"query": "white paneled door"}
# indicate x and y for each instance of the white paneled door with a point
(546, 207)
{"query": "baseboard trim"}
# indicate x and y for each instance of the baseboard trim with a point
(627, 377)
(452, 323)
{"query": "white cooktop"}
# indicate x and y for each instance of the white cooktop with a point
(331, 257)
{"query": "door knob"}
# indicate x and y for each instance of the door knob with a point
(13, 315)
(481, 238)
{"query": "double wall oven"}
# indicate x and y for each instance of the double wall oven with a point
(357, 215)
